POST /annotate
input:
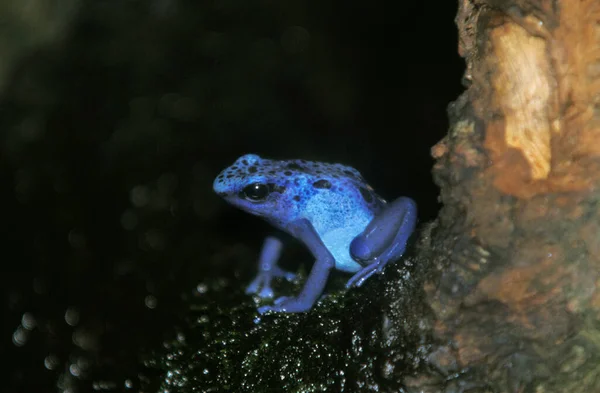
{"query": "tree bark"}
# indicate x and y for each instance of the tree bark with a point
(517, 243)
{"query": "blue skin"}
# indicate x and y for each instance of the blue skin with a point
(328, 207)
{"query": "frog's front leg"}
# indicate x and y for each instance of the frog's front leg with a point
(267, 268)
(313, 288)
(384, 239)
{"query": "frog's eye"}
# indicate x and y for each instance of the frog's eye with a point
(256, 192)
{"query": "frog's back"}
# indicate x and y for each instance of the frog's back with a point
(329, 194)
(337, 201)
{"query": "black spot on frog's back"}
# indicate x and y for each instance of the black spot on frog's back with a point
(351, 174)
(294, 166)
(366, 194)
(323, 183)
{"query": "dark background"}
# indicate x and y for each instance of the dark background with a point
(111, 136)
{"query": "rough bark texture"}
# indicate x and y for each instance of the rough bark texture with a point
(517, 243)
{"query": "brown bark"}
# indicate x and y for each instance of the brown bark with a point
(517, 244)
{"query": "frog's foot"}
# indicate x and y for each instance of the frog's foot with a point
(384, 239)
(261, 285)
(287, 304)
(267, 269)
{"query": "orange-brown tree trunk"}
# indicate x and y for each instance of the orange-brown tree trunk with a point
(517, 244)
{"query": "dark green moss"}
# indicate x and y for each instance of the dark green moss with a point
(365, 339)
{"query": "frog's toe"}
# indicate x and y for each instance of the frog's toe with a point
(261, 286)
(266, 292)
(279, 272)
(263, 291)
(265, 309)
(286, 304)
(253, 286)
(359, 278)
(280, 300)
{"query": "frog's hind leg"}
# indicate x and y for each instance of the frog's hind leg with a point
(384, 239)
(267, 268)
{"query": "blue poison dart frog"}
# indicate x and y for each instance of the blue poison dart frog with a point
(328, 207)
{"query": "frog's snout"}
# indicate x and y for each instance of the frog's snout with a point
(220, 186)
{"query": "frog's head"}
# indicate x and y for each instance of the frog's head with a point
(257, 186)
